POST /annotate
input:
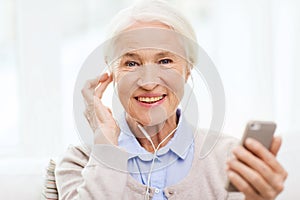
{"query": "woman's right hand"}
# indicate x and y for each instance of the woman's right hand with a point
(99, 116)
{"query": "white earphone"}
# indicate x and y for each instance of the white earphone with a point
(147, 196)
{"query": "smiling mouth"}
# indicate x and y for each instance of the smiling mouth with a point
(150, 100)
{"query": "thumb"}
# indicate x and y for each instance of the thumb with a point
(275, 146)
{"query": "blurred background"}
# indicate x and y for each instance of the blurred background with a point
(254, 44)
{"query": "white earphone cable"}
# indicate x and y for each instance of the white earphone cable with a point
(147, 196)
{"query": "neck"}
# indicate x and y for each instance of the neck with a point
(157, 132)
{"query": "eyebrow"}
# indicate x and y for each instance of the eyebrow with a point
(164, 54)
(157, 55)
(131, 55)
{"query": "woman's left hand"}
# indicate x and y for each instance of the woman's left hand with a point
(256, 172)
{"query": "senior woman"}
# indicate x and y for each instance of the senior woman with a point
(153, 148)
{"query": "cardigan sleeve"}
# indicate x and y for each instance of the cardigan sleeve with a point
(98, 175)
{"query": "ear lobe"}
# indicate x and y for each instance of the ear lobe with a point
(188, 73)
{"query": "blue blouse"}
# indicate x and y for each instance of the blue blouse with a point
(172, 162)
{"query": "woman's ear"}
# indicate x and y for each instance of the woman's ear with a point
(188, 72)
(111, 74)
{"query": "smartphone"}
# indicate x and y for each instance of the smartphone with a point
(261, 131)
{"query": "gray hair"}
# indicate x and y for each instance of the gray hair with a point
(155, 10)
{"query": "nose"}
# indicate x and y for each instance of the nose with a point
(148, 77)
(148, 86)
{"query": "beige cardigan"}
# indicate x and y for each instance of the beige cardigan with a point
(80, 175)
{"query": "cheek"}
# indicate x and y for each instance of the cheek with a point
(125, 86)
(174, 82)
(124, 97)
(173, 103)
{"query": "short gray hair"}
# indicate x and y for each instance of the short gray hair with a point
(154, 10)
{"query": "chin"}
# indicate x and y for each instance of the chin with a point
(151, 117)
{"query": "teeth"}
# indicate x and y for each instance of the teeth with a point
(149, 99)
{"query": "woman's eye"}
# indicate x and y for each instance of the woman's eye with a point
(165, 61)
(131, 64)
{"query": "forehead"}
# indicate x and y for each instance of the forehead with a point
(149, 41)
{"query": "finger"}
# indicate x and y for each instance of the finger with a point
(97, 114)
(101, 111)
(258, 165)
(276, 144)
(88, 89)
(242, 185)
(103, 77)
(99, 90)
(254, 179)
(264, 154)
(88, 96)
(91, 83)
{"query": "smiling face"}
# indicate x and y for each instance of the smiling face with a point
(150, 82)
